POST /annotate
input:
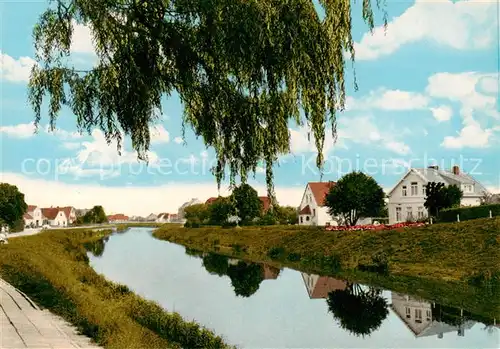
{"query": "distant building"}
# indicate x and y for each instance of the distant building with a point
(407, 198)
(33, 216)
(418, 316)
(151, 218)
(59, 216)
(312, 209)
(118, 218)
(166, 218)
(318, 287)
(180, 213)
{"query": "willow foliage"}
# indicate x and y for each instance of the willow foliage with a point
(242, 68)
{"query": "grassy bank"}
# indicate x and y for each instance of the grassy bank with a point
(459, 262)
(52, 268)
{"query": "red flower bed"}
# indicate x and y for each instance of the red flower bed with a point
(375, 227)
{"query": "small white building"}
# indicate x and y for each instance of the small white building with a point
(59, 216)
(312, 209)
(33, 216)
(164, 218)
(407, 198)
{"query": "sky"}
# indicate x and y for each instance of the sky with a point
(428, 93)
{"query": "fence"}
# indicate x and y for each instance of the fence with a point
(468, 213)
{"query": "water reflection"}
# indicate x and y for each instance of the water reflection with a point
(282, 307)
(96, 247)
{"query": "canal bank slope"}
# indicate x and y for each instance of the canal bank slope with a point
(464, 252)
(52, 269)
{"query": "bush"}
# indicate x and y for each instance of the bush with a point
(276, 252)
(294, 257)
(468, 213)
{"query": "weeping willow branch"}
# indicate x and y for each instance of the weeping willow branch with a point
(244, 69)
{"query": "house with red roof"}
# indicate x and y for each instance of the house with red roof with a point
(118, 218)
(312, 209)
(59, 216)
(33, 216)
(318, 287)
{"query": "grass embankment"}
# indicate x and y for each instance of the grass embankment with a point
(52, 268)
(441, 262)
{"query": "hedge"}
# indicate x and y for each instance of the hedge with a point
(468, 213)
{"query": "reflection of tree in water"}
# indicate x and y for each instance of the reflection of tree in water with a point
(245, 278)
(358, 311)
(193, 252)
(216, 264)
(96, 247)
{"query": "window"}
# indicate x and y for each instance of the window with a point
(301, 219)
(423, 190)
(468, 188)
(314, 212)
(405, 191)
(418, 315)
(409, 213)
(398, 214)
(307, 218)
(408, 313)
(429, 315)
(420, 212)
(414, 188)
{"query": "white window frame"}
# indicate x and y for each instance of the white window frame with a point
(409, 212)
(408, 313)
(414, 188)
(420, 212)
(418, 315)
(404, 191)
(423, 189)
(399, 212)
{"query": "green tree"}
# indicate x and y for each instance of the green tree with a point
(358, 311)
(197, 214)
(216, 264)
(355, 195)
(12, 206)
(243, 70)
(95, 215)
(438, 197)
(220, 210)
(247, 203)
(245, 278)
(287, 214)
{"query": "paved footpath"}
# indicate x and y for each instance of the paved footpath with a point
(24, 325)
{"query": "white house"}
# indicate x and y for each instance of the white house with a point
(164, 218)
(407, 197)
(312, 209)
(59, 216)
(418, 317)
(33, 216)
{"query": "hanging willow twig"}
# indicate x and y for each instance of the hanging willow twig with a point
(242, 68)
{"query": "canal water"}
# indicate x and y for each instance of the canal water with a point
(257, 306)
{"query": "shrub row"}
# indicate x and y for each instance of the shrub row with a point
(468, 213)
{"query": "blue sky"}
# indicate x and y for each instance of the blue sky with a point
(428, 89)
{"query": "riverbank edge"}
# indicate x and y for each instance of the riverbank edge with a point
(477, 294)
(52, 269)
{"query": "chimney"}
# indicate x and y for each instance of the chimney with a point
(456, 170)
(434, 167)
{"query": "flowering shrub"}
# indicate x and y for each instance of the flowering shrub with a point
(376, 227)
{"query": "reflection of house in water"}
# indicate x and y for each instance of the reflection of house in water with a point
(268, 272)
(319, 286)
(424, 319)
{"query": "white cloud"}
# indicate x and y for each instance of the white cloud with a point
(442, 113)
(19, 131)
(15, 70)
(384, 99)
(178, 140)
(82, 39)
(462, 25)
(52, 193)
(159, 134)
(398, 147)
(302, 141)
(471, 135)
(63, 134)
(71, 145)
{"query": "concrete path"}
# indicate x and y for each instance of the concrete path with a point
(24, 325)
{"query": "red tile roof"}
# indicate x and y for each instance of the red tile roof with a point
(118, 217)
(66, 210)
(31, 208)
(50, 213)
(27, 216)
(270, 273)
(266, 202)
(305, 210)
(319, 190)
(210, 200)
(325, 285)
